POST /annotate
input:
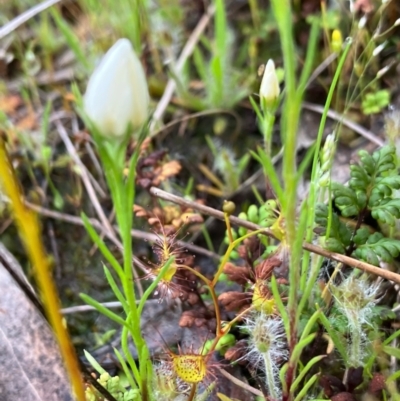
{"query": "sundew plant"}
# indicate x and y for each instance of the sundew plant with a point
(295, 301)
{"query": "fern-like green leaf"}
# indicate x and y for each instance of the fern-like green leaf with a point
(378, 248)
(340, 234)
(360, 178)
(361, 236)
(346, 200)
(387, 211)
(334, 245)
(371, 186)
(382, 189)
(368, 162)
(385, 159)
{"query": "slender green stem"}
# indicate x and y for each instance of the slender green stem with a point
(270, 375)
(122, 193)
(231, 247)
(267, 126)
(312, 198)
(355, 353)
(290, 117)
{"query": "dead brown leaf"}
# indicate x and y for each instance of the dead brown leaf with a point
(167, 170)
(9, 103)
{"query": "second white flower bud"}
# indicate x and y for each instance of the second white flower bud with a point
(269, 89)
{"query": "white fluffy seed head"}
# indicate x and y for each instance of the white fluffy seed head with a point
(356, 297)
(266, 337)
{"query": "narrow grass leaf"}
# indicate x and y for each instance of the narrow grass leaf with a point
(221, 28)
(128, 355)
(313, 319)
(310, 56)
(333, 335)
(304, 371)
(116, 290)
(154, 284)
(298, 349)
(95, 365)
(392, 337)
(126, 370)
(392, 351)
(72, 40)
(200, 65)
(395, 376)
(102, 246)
(306, 387)
(102, 309)
(270, 173)
(256, 108)
(279, 304)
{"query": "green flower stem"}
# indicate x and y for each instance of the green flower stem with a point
(356, 335)
(231, 247)
(355, 356)
(282, 11)
(311, 201)
(267, 128)
(269, 375)
(290, 118)
(122, 193)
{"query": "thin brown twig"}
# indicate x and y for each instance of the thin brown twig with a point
(345, 121)
(92, 193)
(203, 113)
(85, 177)
(241, 384)
(251, 226)
(325, 64)
(138, 234)
(25, 16)
(186, 52)
(87, 308)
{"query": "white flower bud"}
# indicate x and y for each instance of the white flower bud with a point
(117, 93)
(362, 22)
(378, 49)
(383, 71)
(269, 89)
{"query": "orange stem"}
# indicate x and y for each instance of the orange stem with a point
(30, 234)
(228, 227)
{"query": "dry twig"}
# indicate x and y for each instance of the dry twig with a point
(138, 234)
(241, 384)
(25, 16)
(186, 52)
(346, 260)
